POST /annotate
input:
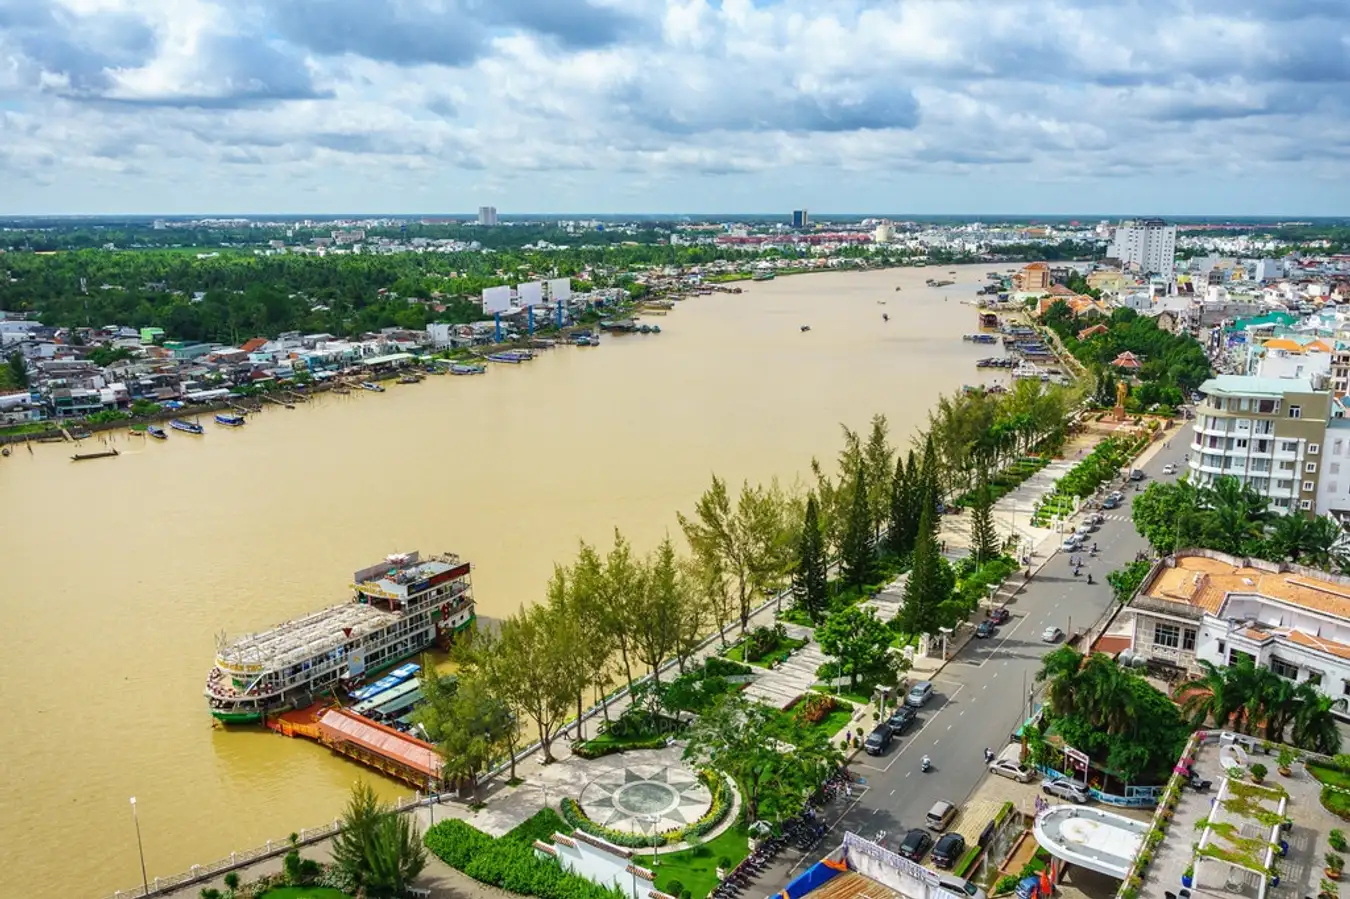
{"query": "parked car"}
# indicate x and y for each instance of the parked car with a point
(1137, 475)
(915, 844)
(986, 629)
(948, 849)
(1012, 770)
(1071, 543)
(901, 719)
(1169, 468)
(999, 615)
(1084, 529)
(1111, 502)
(878, 740)
(940, 815)
(1066, 789)
(960, 886)
(919, 694)
(1096, 518)
(1051, 634)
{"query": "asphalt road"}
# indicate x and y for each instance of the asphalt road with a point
(982, 694)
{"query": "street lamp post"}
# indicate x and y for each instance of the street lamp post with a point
(140, 850)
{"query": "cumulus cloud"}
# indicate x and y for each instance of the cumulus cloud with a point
(595, 104)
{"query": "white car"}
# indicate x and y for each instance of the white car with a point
(1051, 634)
(1071, 543)
(1066, 789)
(1169, 468)
(1005, 768)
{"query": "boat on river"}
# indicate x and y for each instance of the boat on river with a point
(465, 369)
(230, 420)
(372, 386)
(762, 275)
(980, 338)
(187, 427)
(511, 357)
(156, 432)
(106, 454)
(399, 607)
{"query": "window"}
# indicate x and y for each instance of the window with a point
(1334, 468)
(1336, 446)
(1305, 504)
(1332, 486)
(1314, 449)
(1221, 645)
(1289, 446)
(1283, 669)
(1266, 406)
(1295, 412)
(1314, 678)
(1310, 468)
(1188, 639)
(1166, 635)
(1308, 485)
(1242, 443)
(1236, 656)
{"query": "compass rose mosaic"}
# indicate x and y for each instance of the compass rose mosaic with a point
(646, 799)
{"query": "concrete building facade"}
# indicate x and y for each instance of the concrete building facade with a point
(1267, 433)
(1149, 245)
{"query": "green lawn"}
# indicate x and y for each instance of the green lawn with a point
(696, 869)
(304, 893)
(777, 656)
(1329, 775)
(787, 728)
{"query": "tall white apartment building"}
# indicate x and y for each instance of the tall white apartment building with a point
(1148, 244)
(487, 216)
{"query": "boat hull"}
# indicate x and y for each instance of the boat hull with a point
(236, 717)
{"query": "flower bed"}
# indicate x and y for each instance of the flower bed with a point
(577, 818)
(1100, 465)
(1008, 479)
(507, 863)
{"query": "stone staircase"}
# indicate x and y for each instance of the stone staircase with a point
(779, 687)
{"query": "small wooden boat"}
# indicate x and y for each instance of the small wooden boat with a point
(188, 427)
(156, 432)
(409, 379)
(229, 419)
(805, 328)
(462, 369)
(4, 451)
(83, 457)
(368, 385)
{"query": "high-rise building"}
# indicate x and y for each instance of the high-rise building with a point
(1266, 432)
(487, 216)
(800, 219)
(1150, 245)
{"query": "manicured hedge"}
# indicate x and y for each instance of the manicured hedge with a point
(594, 749)
(509, 864)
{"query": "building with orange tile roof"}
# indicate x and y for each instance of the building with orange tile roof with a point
(1032, 279)
(1200, 605)
(1127, 361)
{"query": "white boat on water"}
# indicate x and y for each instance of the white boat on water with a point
(399, 607)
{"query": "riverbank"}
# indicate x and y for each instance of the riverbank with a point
(180, 539)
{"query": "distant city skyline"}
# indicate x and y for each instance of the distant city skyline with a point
(961, 107)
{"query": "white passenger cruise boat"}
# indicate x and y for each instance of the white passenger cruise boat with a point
(400, 607)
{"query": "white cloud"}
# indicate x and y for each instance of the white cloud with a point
(889, 106)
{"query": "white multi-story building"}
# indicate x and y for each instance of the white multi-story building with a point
(1267, 433)
(487, 216)
(1150, 245)
(1200, 605)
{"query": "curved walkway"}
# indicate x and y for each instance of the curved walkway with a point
(1091, 838)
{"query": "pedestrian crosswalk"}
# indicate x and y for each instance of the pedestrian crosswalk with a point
(1115, 516)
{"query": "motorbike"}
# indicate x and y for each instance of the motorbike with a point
(926, 765)
(1090, 581)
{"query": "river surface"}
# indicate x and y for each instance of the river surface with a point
(119, 574)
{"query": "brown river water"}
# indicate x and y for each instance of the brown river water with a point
(118, 574)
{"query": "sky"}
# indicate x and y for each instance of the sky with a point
(1133, 107)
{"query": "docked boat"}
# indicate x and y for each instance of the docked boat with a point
(187, 427)
(82, 457)
(464, 369)
(586, 340)
(409, 379)
(766, 275)
(399, 607)
(229, 419)
(511, 357)
(372, 386)
(625, 326)
(980, 338)
(156, 432)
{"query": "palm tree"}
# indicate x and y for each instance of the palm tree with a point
(1315, 727)
(1215, 696)
(1061, 668)
(1237, 513)
(1279, 702)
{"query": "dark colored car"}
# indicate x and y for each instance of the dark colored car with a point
(1000, 615)
(902, 719)
(986, 629)
(878, 740)
(949, 849)
(915, 844)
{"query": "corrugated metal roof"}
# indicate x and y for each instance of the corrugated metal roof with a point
(339, 724)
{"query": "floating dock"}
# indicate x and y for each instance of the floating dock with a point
(409, 759)
(82, 457)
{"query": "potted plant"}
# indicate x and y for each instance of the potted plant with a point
(1188, 876)
(1336, 837)
(1284, 761)
(1258, 772)
(1335, 864)
(723, 867)
(1327, 890)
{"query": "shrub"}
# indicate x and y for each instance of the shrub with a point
(1334, 862)
(1005, 884)
(815, 708)
(763, 640)
(509, 864)
(716, 666)
(967, 861)
(594, 749)
(1336, 839)
(674, 888)
(1258, 771)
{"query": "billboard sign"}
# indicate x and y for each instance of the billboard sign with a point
(531, 294)
(560, 289)
(1077, 760)
(496, 299)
